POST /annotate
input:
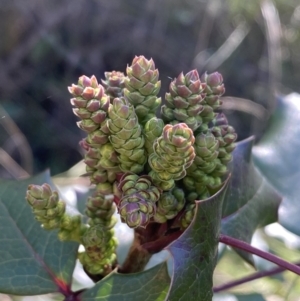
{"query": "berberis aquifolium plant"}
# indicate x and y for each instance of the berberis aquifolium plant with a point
(152, 169)
(173, 172)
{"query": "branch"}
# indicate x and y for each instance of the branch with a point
(230, 241)
(249, 278)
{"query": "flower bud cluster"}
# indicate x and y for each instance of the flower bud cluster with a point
(114, 84)
(226, 136)
(173, 154)
(151, 131)
(153, 169)
(98, 240)
(92, 105)
(141, 88)
(100, 245)
(214, 89)
(126, 136)
(169, 205)
(184, 101)
(46, 206)
(188, 215)
(50, 212)
(138, 202)
(205, 162)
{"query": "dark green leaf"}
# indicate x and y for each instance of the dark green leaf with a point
(259, 211)
(150, 285)
(195, 252)
(32, 260)
(245, 180)
(277, 156)
(250, 200)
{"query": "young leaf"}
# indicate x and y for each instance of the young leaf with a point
(195, 252)
(32, 260)
(150, 285)
(277, 156)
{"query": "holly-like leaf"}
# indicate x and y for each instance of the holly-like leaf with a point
(32, 260)
(253, 201)
(195, 252)
(259, 211)
(150, 285)
(245, 180)
(277, 156)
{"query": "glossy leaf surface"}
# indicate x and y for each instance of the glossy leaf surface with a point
(195, 252)
(150, 285)
(250, 199)
(32, 260)
(277, 156)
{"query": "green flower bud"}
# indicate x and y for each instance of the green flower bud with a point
(152, 130)
(226, 136)
(184, 101)
(102, 163)
(114, 84)
(141, 88)
(188, 215)
(91, 103)
(104, 223)
(163, 185)
(46, 206)
(135, 211)
(100, 209)
(214, 83)
(100, 246)
(173, 153)
(169, 205)
(126, 136)
(138, 201)
(192, 197)
(197, 183)
(214, 89)
(41, 197)
(105, 188)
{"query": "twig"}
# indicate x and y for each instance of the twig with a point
(19, 141)
(244, 105)
(230, 241)
(11, 165)
(228, 47)
(273, 36)
(249, 278)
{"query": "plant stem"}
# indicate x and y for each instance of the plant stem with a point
(249, 278)
(137, 257)
(268, 256)
(159, 244)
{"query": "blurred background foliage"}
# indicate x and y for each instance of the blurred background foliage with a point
(46, 45)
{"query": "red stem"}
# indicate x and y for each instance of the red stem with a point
(249, 278)
(268, 256)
